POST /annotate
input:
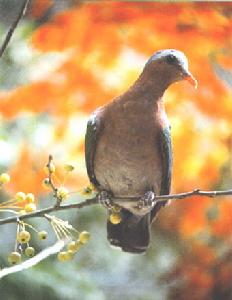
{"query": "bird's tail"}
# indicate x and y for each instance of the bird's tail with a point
(132, 234)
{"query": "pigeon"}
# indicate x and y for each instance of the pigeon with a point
(128, 150)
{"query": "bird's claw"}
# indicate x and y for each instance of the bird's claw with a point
(104, 198)
(147, 200)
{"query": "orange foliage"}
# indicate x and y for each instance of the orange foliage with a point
(193, 216)
(145, 27)
(222, 225)
(24, 179)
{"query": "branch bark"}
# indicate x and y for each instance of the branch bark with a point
(91, 201)
(13, 27)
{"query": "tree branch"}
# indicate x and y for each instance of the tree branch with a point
(91, 201)
(13, 27)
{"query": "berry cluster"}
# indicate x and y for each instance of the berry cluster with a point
(65, 231)
(22, 243)
(23, 203)
(74, 246)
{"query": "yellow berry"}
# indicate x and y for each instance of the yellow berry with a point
(20, 196)
(115, 218)
(42, 235)
(69, 168)
(64, 256)
(23, 237)
(84, 237)
(79, 243)
(46, 183)
(30, 207)
(70, 254)
(29, 251)
(50, 168)
(73, 246)
(4, 178)
(14, 258)
(92, 187)
(87, 191)
(62, 193)
(30, 198)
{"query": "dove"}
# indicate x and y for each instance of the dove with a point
(128, 150)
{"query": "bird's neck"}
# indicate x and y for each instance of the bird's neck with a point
(149, 88)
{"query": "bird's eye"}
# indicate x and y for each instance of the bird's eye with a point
(171, 59)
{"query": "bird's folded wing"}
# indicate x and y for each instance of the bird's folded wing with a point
(91, 138)
(166, 152)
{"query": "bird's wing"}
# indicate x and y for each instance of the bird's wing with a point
(91, 138)
(166, 148)
(166, 152)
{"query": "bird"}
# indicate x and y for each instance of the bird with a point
(128, 150)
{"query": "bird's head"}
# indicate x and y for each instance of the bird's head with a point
(170, 66)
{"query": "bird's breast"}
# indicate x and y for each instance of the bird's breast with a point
(128, 159)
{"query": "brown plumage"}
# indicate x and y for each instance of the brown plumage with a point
(128, 147)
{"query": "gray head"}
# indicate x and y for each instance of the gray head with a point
(170, 66)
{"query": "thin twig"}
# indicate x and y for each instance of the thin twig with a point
(50, 159)
(87, 202)
(42, 212)
(13, 27)
(51, 183)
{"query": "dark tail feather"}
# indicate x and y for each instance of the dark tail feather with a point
(132, 234)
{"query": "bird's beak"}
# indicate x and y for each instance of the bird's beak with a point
(189, 77)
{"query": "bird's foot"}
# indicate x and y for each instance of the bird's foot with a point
(147, 201)
(104, 198)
